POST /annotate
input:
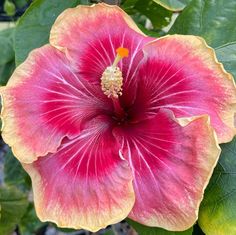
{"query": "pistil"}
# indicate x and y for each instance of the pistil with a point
(112, 81)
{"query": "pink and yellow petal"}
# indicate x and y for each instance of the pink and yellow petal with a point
(43, 102)
(172, 165)
(75, 25)
(182, 74)
(90, 187)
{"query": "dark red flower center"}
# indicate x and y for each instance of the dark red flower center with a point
(120, 115)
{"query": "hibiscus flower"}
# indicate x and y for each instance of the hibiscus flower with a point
(110, 123)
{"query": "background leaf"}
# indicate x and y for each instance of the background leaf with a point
(144, 230)
(7, 55)
(30, 223)
(6, 71)
(13, 206)
(214, 20)
(158, 15)
(21, 3)
(14, 174)
(6, 46)
(33, 28)
(218, 209)
(227, 55)
(141, 11)
(9, 8)
(173, 5)
(129, 5)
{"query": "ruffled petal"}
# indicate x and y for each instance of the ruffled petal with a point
(90, 35)
(172, 165)
(85, 184)
(181, 73)
(45, 101)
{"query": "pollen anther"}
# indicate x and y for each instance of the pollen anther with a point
(112, 81)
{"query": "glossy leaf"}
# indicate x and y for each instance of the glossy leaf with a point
(13, 206)
(6, 71)
(7, 55)
(9, 7)
(128, 5)
(144, 230)
(218, 209)
(142, 10)
(34, 26)
(214, 20)
(109, 233)
(173, 5)
(158, 15)
(227, 55)
(6, 46)
(30, 223)
(85, 2)
(14, 173)
(21, 3)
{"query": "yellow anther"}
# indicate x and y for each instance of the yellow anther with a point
(112, 80)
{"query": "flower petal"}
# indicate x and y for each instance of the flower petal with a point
(182, 74)
(90, 35)
(172, 165)
(45, 101)
(85, 184)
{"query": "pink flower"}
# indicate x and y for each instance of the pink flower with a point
(105, 135)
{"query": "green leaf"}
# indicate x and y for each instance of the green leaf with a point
(21, 3)
(14, 174)
(173, 5)
(109, 233)
(144, 230)
(214, 20)
(227, 55)
(6, 46)
(7, 55)
(30, 223)
(9, 7)
(142, 10)
(128, 5)
(151, 33)
(158, 15)
(33, 28)
(6, 71)
(13, 205)
(85, 2)
(218, 209)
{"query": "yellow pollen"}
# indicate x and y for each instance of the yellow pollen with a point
(112, 80)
